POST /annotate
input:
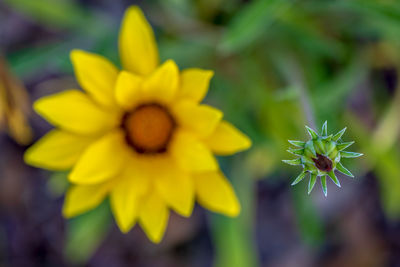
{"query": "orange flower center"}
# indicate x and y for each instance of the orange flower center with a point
(149, 128)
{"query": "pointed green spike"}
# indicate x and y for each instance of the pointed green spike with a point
(307, 160)
(312, 133)
(339, 134)
(343, 146)
(299, 151)
(319, 146)
(348, 154)
(323, 184)
(311, 182)
(310, 150)
(343, 170)
(334, 155)
(328, 138)
(292, 161)
(299, 178)
(334, 178)
(325, 129)
(297, 143)
(330, 147)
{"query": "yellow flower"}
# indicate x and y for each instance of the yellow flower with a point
(139, 136)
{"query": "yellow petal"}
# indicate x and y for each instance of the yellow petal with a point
(201, 119)
(154, 217)
(215, 193)
(82, 198)
(162, 85)
(194, 84)
(137, 45)
(104, 159)
(74, 111)
(96, 75)
(191, 154)
(175, 187)
(227, 140)
(127, 89)
(57, 150)
(130, 187)
(124, 205)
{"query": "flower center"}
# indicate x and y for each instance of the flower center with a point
(149, 128)
(323, 163)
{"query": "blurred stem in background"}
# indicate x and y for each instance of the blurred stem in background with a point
(234, 238)
(295, 78)
(308, 220)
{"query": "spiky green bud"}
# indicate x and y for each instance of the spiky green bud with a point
(320, 157)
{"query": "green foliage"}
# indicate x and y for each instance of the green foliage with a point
(58, 183)
(57, 13)
(86, 232)
(308, 221)
(251, 22)
(233, 237)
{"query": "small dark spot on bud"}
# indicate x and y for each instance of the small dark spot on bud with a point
(323, 163)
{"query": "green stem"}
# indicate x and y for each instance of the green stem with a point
(233, 237)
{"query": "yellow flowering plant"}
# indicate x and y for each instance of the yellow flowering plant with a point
(140, 136)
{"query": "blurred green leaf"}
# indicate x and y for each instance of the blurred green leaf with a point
(308, 221)
(262, 159)
(55, 55)
(25, 62)
(186, 52)
(305, 34)
(251, 22)
(52, 13)
(86, 232)
(387, 132)
(58, 183)
(376, 17)
(385, 163)
(330, 97)
(388, 169)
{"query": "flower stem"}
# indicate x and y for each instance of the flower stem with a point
(233, 237)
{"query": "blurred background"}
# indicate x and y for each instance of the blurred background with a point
(280, 65)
